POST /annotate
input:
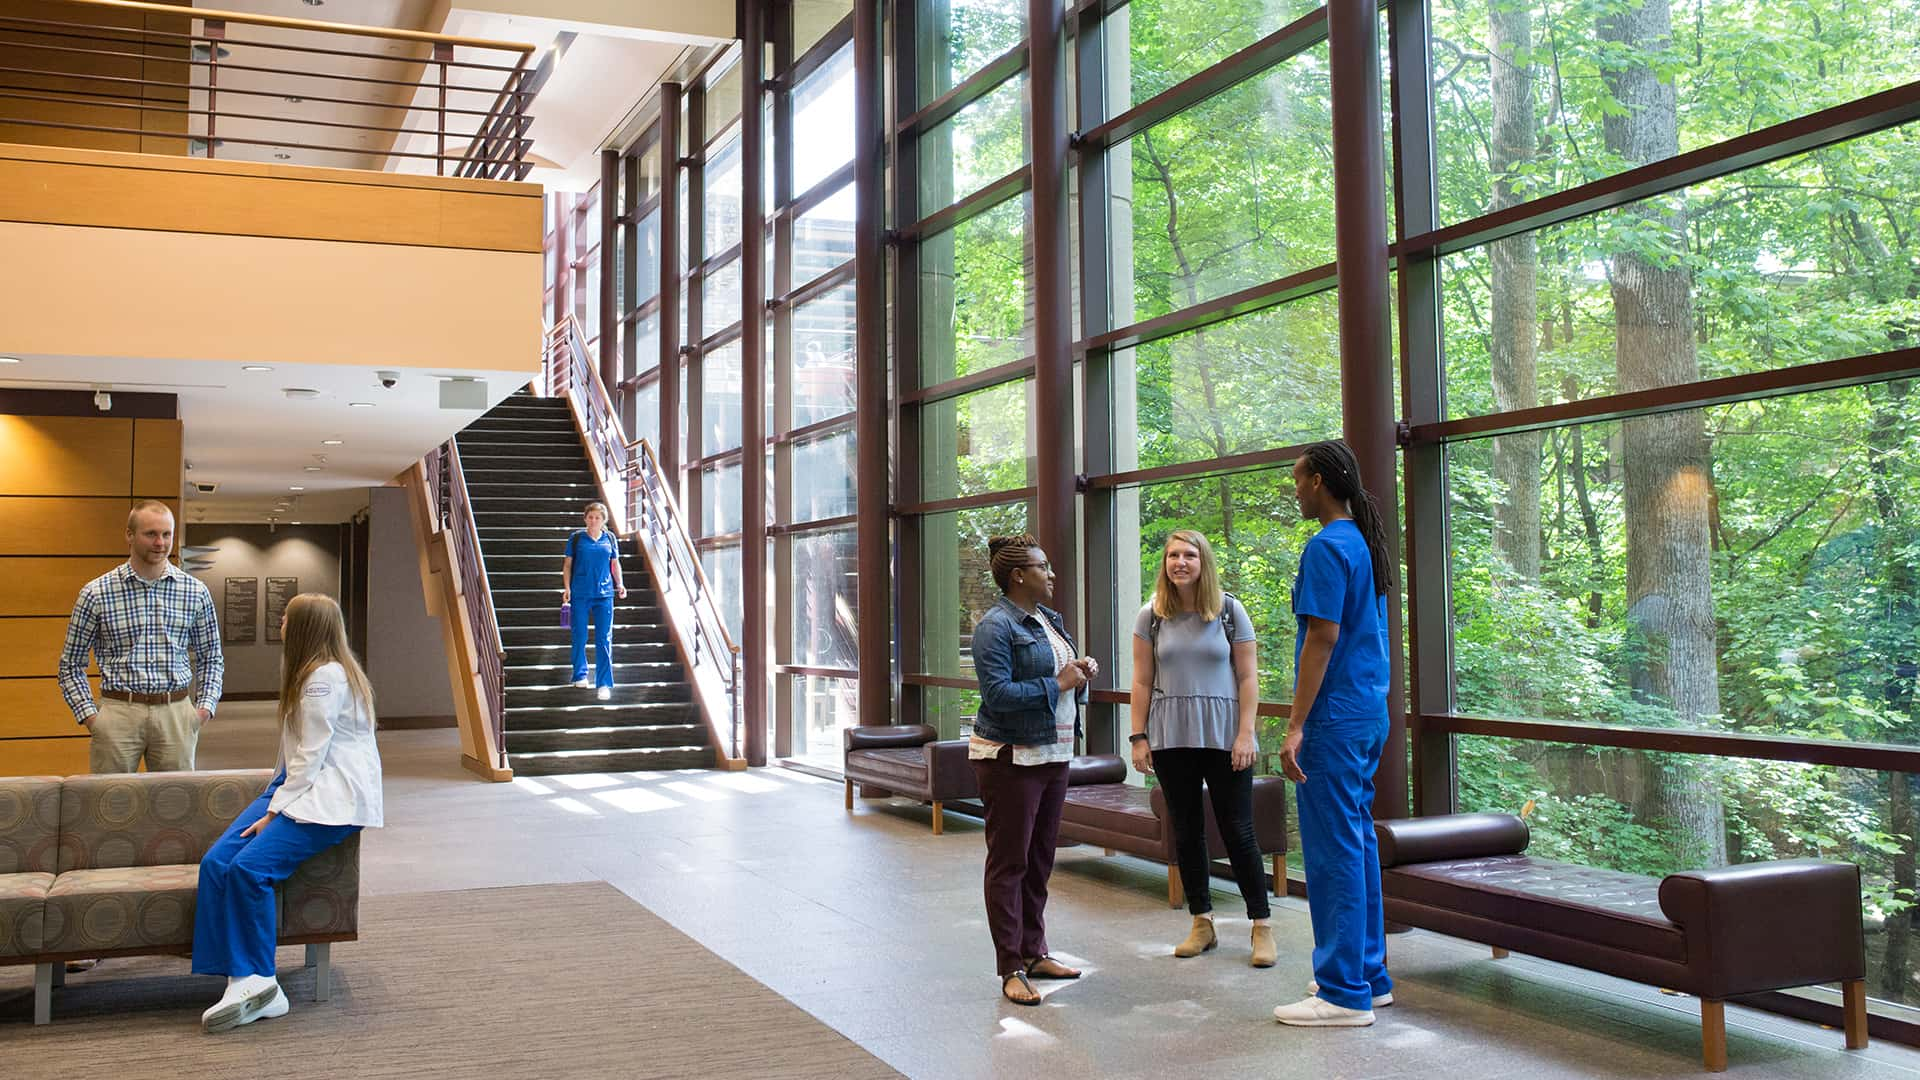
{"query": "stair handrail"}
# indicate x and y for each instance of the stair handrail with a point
(650, 504)
(454, 513)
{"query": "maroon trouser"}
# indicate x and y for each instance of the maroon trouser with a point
(1023, 822)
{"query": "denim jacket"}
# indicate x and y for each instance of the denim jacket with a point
(1015, 665)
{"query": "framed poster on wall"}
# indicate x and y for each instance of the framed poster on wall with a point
(239, 610)
(279, 591)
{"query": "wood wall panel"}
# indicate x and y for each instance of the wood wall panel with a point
(361, 209)
(65, 455)
(48, 525)
(157, 459)
(48, 585)
(33, 708)
(31, 646)
(45, 757)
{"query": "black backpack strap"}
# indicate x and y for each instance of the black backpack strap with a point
(1227, 621)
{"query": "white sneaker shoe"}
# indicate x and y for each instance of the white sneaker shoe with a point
(247, 999)
(605, 693)
(1313, 1012)
(583, 683)
(1380, 1001)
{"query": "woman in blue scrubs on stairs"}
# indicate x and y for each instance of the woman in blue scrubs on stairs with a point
(1335, 736)
(591, 572)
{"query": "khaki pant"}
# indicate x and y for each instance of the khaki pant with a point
(123, 733)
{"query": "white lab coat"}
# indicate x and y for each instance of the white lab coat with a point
(328, 752)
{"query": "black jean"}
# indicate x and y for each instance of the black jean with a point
(1181, 772)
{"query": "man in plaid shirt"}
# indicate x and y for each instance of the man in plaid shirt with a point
(150, 625)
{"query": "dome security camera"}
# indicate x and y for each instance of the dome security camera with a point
(388, 378)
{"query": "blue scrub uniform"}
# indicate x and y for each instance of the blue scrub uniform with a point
(1340, 748)
(235, 914)
(591, 584)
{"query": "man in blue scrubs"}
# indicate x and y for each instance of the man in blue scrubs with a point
(1335, 736)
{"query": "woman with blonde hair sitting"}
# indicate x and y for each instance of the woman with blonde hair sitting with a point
(1196, 693)
(327, 788)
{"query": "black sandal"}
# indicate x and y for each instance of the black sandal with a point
(1065, 972)
(1022, 977)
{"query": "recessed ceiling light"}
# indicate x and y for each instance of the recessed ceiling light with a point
(255, 367)
(332, 442)
(361, 404)
(312, 468)
(9, 359)
(293, 523)
(300, 392)
(295, 487)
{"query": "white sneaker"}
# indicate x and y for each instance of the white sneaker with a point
(247, 999)
(605, 694)
(583, 683)
(1380, 1001)
(1313, 1012)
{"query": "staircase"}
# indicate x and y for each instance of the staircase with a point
(528, 479)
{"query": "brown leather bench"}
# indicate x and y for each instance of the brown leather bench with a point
(1104, 810)
(1715, 934)
(906, 759)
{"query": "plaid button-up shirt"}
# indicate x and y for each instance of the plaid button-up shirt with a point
(150, 637)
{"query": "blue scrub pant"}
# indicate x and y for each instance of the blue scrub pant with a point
(236, 916)
(1343, 859)
(601, 608)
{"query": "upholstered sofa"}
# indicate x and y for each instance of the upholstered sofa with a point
(105, 866)
(911, 760)
(1103, 809)
(1715, 934)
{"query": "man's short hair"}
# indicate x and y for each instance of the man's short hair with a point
(133, 515)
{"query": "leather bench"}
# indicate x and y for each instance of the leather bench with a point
(908, 759)
(1714, 934)
(1104, 810)
(104, 866)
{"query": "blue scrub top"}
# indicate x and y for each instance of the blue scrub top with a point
(1336, 584)
(592, 563)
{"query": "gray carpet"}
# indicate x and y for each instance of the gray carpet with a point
(536, 981)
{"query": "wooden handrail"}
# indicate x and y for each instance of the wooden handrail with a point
(284, 23)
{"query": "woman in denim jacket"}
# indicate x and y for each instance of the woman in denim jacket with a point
(1031, 690)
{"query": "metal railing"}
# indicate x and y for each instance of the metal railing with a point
(478, 90)
(650, 508)
(453, 514)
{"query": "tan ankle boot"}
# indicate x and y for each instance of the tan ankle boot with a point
(1199, 939)
(1264, 951)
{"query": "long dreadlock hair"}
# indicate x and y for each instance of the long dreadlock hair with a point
(1333, 462)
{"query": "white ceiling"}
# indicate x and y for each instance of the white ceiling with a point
(243, 433)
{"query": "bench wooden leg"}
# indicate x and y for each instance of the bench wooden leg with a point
(1713, 1034)
(1108, 852)
(1854, 997)
(43, 992)
(59, 975)
(1499, 953)
(1176, 895)
(939, 819)
(1279, 876)
(320, 959)
(849, 796)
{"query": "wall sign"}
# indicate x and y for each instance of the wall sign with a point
(240, 606)
(279, 591)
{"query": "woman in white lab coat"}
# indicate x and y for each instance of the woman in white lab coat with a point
(327, 789)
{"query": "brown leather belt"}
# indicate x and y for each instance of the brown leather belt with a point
(146, 699)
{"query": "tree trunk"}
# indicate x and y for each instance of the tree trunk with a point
(1516, 458)
(1666, 457)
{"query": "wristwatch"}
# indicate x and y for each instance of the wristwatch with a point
(1138, 736)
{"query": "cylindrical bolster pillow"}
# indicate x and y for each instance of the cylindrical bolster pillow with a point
(1404, 841)
(1096, 769)
(863, 738)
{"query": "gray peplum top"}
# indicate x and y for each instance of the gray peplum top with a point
(1196, 701)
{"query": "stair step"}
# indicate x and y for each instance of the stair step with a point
(565, 762)
(559, 472)
(660, 681)
(576, 493)
(546, 594)
(593, 713)
(494, 519)
(650, 737)
(623, 631)
(540, 422)
(536, 562)
(556, 436)
(534, 500)
(525, 534)
(545, 580)
(490, 454)
(555, 636)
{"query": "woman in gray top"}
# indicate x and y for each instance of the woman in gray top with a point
(1195, 695)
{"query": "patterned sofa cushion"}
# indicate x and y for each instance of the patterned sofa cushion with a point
(323, 896)
(23, 901)
(29, 824)
(149, 819)
(130, 907)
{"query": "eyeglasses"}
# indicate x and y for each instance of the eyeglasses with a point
(1047, 566)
